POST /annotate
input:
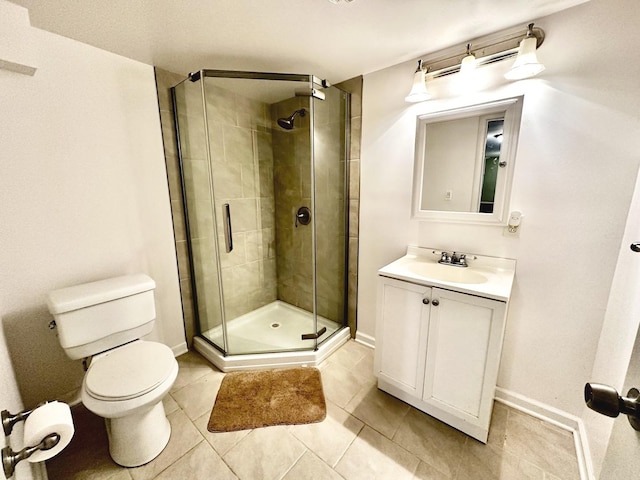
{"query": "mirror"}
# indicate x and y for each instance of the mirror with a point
(464, 162)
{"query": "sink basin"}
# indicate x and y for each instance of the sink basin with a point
(488, 277)
(446, 273)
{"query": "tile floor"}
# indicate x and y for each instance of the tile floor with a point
(367, 434)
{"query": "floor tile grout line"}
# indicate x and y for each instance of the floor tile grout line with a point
(306, 449)
(349, 446)
(176, 460)
(226, 463)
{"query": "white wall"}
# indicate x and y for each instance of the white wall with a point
(617, 357)
(576, 168)
(84, 196)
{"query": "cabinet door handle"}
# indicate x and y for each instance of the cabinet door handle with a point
(425, 301)
(435, 302)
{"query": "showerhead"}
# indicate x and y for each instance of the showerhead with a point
(287, 123)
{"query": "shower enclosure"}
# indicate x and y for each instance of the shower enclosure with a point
(263, 159)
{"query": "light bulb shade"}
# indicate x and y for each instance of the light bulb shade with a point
(526, 64)
(468, 64)
(419, 92)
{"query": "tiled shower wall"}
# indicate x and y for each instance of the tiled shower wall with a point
(164, 81)
(255, 224)
(354, 87)
(292, 181)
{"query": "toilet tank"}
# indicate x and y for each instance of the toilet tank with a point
(94, 317)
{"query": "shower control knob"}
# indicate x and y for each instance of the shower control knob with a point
(425, 301)
(303, 216)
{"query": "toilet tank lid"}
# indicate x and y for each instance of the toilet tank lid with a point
(94, 293)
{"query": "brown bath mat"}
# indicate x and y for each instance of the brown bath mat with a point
(268, 397)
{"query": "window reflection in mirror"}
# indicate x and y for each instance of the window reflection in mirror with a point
(464, 161)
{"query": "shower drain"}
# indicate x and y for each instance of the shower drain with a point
(275, 325)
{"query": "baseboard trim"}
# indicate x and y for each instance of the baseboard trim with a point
(556, 417)
(180, 349)
(365, 339)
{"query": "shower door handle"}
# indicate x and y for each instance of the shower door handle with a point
(228, 233)
(313, 336)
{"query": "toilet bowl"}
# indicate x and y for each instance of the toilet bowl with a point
(126, 386)
(127, 377)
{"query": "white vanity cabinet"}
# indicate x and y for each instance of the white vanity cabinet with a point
(439, 350)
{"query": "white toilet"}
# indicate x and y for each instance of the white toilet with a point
(127, 377)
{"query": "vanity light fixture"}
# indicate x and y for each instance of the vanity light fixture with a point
(526, 64)
(419, 92)
(468, 63)
(489, 49)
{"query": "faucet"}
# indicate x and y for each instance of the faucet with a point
(453, 259)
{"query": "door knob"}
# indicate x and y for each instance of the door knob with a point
(605, 400)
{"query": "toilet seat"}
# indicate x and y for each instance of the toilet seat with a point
(129, 371)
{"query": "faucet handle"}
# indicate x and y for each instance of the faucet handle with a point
(463, 260)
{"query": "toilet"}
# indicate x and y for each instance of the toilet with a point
(127, 377)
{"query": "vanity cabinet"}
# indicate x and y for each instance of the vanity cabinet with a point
(439, 350)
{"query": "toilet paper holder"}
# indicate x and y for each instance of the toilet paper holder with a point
(10, 458)
(9, 419)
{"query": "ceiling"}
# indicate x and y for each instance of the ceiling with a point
(335, 41)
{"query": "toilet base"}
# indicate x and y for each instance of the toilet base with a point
(139, 438)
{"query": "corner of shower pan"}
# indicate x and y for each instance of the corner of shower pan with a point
(232, 363)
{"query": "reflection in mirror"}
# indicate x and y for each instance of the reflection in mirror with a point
(491, 164)
(464, 162)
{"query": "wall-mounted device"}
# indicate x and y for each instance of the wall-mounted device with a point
(515, 218)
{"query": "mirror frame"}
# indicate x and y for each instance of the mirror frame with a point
(512, 108)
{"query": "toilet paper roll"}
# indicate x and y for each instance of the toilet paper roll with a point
(52, 417)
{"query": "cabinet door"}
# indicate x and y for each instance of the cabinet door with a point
(463, 354)
(401, 331)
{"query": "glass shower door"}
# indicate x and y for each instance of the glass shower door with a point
(331, 208)
(199, 209)
(260, 155)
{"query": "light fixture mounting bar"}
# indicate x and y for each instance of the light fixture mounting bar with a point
(487, 50)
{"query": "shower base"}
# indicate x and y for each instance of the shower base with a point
(267, 332)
